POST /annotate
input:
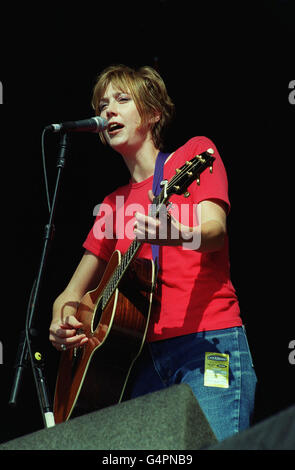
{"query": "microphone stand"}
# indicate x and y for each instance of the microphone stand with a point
(25, 349)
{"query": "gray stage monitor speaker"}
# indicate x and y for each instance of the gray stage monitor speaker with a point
(275, 433)
(169, 419)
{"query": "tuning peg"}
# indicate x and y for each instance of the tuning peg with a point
(177, 170)
(211, 151)
(164, 183)
(186, 194)
(189, 173)
(211, 169)
(198, 180)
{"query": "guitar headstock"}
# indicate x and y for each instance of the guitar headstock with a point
(186, 174)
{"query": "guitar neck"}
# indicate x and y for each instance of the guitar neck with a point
(120, 271)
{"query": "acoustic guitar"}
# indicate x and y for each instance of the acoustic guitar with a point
(115, 318)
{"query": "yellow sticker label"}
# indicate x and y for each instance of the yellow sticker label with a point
(216, 370)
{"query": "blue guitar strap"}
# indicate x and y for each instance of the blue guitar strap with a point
(158, 177)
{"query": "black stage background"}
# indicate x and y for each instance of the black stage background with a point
(228, 66)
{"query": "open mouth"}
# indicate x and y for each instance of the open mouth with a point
(114, 128)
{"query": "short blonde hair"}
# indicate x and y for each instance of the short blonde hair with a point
(148, 91)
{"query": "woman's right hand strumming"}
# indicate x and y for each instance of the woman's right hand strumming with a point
(64, 328)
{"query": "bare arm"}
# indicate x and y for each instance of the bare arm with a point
(64, 324)
(208, 235)
(212, 228)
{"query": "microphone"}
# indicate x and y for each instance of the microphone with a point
(94, 124)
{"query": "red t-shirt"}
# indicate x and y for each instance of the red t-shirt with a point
(194, 289)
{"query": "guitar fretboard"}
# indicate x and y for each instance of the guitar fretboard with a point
(119, 272)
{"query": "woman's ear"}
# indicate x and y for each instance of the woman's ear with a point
(155, 118)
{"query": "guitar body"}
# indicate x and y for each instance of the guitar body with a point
(97, 372)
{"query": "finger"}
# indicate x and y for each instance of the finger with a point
(145, 229)
(144, 236)
(59, 332)
(139, 218)
(151, 195)
(143, 221)
(69, 343)
(63, 332)
(62, 329)
(71, 321)
(72, 341)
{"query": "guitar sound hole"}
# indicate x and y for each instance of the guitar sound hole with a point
(97, 315)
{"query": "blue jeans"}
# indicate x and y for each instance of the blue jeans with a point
(181, 360)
